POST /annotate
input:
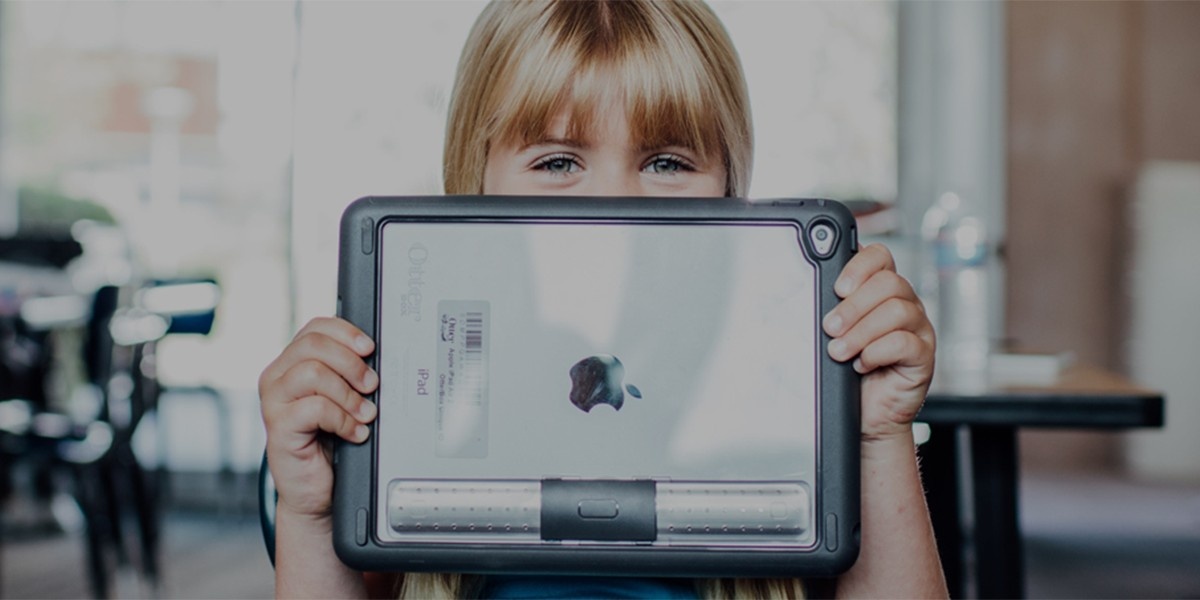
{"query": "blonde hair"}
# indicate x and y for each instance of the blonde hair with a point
(525, 61)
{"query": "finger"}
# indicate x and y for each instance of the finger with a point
(903, 349)
(341, 330)
(894, 314)
(313, 378)
(294, 428)
(881, 286)
(334, 328)
(868, 261)
(314, 345)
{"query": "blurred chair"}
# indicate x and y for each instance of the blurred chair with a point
(96, 446)
(45, 441)
(189, 305)
(87, 433)
(130, 393)
(157, 309)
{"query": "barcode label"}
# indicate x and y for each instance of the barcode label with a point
(472, 372)
(462, 379)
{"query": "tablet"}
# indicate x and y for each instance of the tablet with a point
(624, 386)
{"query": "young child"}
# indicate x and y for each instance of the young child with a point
(637, 98)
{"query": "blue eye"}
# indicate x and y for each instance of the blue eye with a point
(557, 164)
(667, 164)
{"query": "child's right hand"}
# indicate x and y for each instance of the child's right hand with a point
(316, 384)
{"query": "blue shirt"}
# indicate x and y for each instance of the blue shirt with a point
(513, 587)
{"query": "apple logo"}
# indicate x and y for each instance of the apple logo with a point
(600, 380)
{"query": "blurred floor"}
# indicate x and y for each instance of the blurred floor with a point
(1085, 537)
(204, 556)
(1095, 536)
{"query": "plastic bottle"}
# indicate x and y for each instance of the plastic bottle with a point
(956, 281)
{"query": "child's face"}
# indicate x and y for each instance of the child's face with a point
(608, 163)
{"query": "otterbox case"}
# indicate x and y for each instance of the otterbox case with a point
(621, 386)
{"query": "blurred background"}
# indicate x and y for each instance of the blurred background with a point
(172, 174)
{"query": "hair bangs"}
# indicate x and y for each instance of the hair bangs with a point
(592, 58)
(669, 107)
(535, 94)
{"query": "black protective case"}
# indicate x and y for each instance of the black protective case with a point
(836, 494)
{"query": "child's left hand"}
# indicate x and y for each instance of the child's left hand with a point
(881, 324)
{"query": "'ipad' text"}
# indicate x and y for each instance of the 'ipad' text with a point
(422, 382)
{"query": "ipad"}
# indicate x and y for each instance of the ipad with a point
(625, 386)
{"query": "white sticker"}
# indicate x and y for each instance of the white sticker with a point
(462, 379)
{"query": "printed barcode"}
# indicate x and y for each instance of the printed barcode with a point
(474, 332)
(473, 354)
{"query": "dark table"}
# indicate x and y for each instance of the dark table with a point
(975, 431)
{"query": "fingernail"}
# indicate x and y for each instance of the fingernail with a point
(366, 411)
(370, 379)
(843, 286)
(361, 432)
(858, 366)
(363, 344)
(837, 348)
(833, 324)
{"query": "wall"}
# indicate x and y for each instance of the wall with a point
(1094, 90)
